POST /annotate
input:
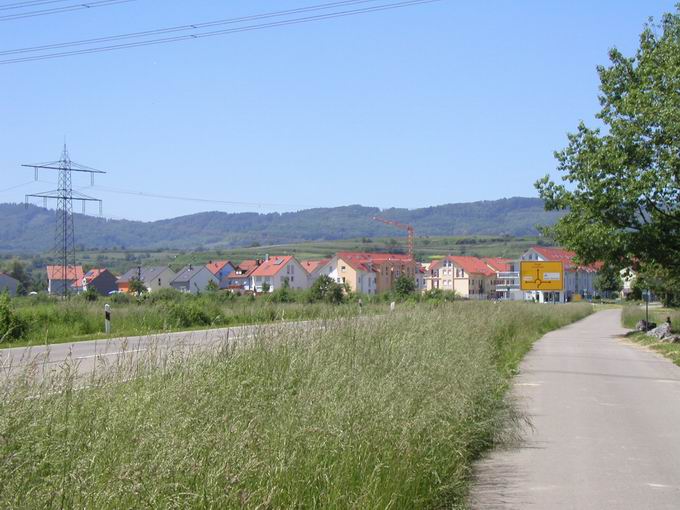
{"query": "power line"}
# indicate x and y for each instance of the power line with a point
(183, 28)
(261, 26)
(59, 10)
(193, 199)
(29, 3)
(15, 187)
(144, 194)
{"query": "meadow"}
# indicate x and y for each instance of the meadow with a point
(47, 320)
(385, 412)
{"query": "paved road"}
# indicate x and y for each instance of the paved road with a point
(606, 427)
(88, 355)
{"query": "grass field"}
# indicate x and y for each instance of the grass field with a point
(387, 412)
(633, 313)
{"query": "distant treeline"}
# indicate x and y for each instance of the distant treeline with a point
(31, 229)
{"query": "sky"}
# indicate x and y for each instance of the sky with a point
(429, 104)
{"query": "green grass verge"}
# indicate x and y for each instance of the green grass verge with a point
(382, 413)
(54, 322)
(632, 314)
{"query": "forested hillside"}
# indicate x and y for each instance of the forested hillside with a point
(30, 229)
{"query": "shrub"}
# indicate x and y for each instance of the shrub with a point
(90, 294)
(404, 286)
(189, 314)
(12, 326)
(325, 289)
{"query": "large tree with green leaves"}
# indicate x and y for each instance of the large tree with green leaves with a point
(621, 185)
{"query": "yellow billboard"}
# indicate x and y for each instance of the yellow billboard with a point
(534, 275)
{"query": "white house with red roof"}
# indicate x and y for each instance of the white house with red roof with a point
(578, 279)
(507, 278)
(57, 280)
(239, 279)
(276, 271)
(470, 277)
(373, 273)
(322, 267)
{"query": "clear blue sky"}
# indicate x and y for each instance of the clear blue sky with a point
(438, 103)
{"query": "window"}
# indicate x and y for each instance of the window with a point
(342, 268)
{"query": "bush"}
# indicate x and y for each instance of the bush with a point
(12, 327)
(404, 286)
(163, 295)
(190, 314)
(326, 289)
(90, 294)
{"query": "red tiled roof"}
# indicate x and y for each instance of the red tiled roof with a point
(217, 265)
(246, 266)
(498, 263)
(363, 261)
(435, 264)
(565, 256)
(272, 266)
(311, 265)
(471, 265)
(556, 254)
(72, 273)
(92, 274)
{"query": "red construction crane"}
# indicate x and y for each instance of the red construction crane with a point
(409, 229)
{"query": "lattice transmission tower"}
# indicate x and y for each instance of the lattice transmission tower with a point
(64, 232)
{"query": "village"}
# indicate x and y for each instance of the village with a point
(469, 277)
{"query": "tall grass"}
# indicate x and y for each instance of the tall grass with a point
(53, 321)
(633, 313)
(387, 412)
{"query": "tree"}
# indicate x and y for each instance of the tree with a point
(18, 272)
(608, 280)
(325, 288)
(212, 286)
(404, 286)
(137, 287)
(622, 195)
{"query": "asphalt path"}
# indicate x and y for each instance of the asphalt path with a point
(605, 426)
(86, 357)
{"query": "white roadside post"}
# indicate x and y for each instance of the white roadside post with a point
(393, 306)
(107, 319)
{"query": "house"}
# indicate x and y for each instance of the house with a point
(468, 276)
(357, 273)
(153, 277)
(102, 281)
(8, 284)
(373, 273)
(239, 279)
(194, 279)
(507, 278)
(277, 270)
(220, 268)
(421, 274)
(578, 279)
(59, 281)
(317, 268)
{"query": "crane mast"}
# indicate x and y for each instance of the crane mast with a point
(409, 229)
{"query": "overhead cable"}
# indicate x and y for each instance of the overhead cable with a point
(200, 35)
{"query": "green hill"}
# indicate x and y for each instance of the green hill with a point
(31, 229)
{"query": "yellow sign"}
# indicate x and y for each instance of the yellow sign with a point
(534, 275)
